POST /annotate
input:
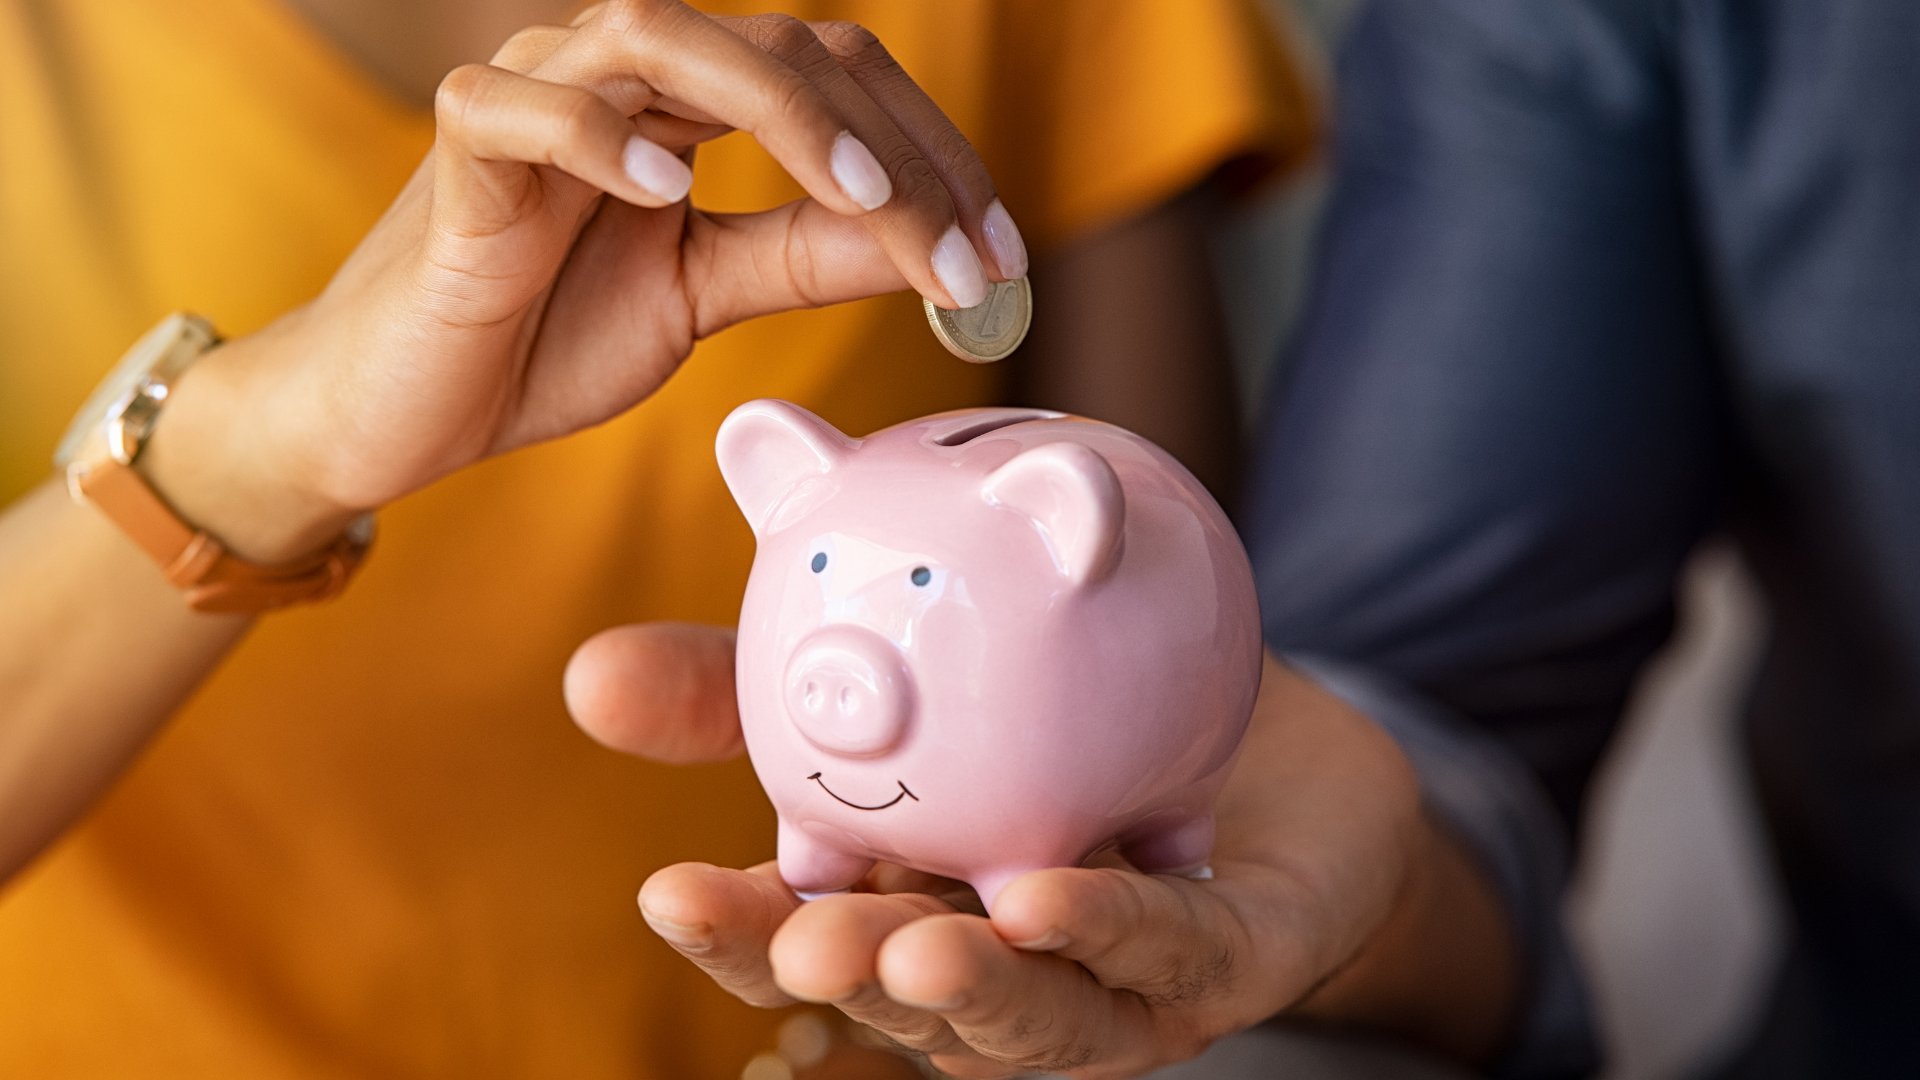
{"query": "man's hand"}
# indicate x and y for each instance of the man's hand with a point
(1332, 898)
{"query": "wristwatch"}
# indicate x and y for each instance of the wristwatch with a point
(98, 454)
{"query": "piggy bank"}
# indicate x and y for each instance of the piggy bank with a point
(984, 643)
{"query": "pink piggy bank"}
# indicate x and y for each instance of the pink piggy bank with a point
(985, 642)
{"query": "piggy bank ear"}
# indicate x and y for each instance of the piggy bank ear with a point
(769, 449)
(1072, 496)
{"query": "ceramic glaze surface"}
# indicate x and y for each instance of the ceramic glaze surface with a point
(985, 642)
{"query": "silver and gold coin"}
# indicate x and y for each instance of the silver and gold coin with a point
(987, 331)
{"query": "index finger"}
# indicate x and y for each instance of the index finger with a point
(944, 147)
(722, 920)
(676, 52)
(1024, 1009)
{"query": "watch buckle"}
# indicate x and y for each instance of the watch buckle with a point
(132, 419)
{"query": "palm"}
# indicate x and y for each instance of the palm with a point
(634, 288)
(542, 272)
(1116, 971)
(615, 324)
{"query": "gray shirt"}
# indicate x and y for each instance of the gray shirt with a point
(1601, 279)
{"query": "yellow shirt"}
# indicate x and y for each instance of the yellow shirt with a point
(374, 845)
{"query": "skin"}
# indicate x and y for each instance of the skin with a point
(1131, 331)
(509, 261)
(250, 445)
(1334, 900)
(522, 286)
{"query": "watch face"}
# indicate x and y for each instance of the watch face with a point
(162, 353)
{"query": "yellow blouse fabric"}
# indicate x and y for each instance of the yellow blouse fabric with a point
(373, 845)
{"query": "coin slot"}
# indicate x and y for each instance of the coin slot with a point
(972, 430)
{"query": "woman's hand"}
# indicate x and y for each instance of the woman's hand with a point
(542, 272)
(1332, 897)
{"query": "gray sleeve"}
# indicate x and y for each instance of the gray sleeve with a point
(1497, 434)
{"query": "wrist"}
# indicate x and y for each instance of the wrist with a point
(1440, 969)
(222, 460)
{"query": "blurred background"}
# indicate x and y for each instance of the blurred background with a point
(1673, 911)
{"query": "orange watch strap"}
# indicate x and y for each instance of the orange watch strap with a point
(194, 561)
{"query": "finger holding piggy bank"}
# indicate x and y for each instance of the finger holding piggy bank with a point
(985, 642)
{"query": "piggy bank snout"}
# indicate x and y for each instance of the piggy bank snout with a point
(849, 692)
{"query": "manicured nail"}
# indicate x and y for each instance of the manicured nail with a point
(959, 269)
(1003, 239)
(1051, 941)
(663, 175)
(858, 172)
(695, 939)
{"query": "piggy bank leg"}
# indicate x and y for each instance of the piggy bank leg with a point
(812, 869)
(989, 884)
(1175, 845)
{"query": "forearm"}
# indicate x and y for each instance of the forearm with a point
(1335, 798)
(1441, 971)
(96, 650)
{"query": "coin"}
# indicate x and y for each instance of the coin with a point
(989, 330)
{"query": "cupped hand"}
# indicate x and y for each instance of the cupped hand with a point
(543, 271)
(1322, 871)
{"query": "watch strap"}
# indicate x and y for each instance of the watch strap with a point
(211, 578)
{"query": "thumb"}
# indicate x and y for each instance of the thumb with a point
(800, 255)
(662, 691)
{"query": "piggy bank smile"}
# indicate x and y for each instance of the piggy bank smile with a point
(1045, 614)
(904, 794)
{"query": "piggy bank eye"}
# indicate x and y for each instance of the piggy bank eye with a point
(921, 575)
(819, 561)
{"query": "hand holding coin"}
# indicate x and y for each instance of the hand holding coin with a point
(989, 330)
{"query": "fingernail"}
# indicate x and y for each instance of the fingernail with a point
(959, 269)
(686, 938)
(1050, 941)
(1003, 239)
(663, 175)
(858, 172)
